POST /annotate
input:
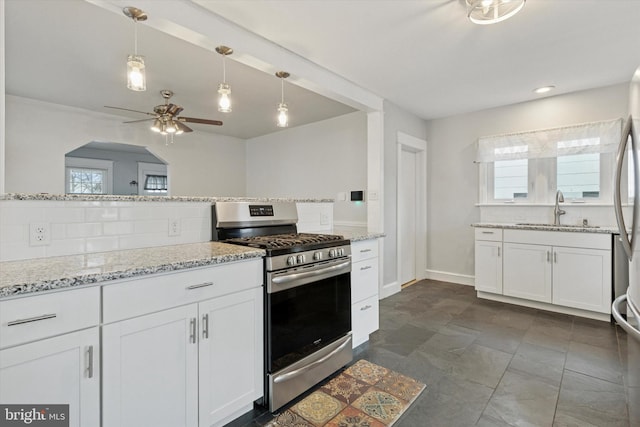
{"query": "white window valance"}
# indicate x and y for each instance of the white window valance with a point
(595, 137)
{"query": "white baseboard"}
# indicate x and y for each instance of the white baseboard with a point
(389, 289)
(444, 276)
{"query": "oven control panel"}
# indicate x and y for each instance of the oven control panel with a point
(261, 210)
(306, 258)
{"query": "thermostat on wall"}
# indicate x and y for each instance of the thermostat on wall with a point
(357, 196)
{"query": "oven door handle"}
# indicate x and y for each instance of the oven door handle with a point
(292, 374)
(327, 271)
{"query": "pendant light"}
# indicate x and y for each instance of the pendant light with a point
(283, 111)
(224, 90)
(136, 76)
(485, 12)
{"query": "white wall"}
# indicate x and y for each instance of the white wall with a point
(317, 160)
(453, 177)
(38, 134)
(395, 120)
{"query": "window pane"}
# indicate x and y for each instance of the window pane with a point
(510, 178)
(578, 176)
(87, 181)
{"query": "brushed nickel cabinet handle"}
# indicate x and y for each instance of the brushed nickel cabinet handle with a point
(364, 250)
(487, 232)
(555, 257)
(200, 285)
(365, 268)
(548, 256)
(366, 307)
(90, 362)
(31, 319)
(498, 251)
(192, 325)
(205, 326)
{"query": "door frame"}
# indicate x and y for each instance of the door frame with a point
(412, 144)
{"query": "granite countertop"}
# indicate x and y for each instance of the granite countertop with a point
(43, 274)
(356, 234)
(124, 198)
(545, 227)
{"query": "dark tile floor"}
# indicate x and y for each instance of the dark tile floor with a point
(493, 364)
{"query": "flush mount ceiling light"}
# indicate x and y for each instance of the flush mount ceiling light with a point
(136, 77)
(224, 90)
(485, 12)
(283, 111)
(544, 89)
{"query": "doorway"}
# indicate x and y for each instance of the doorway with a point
(412, 212)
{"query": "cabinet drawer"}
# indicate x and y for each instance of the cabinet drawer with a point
(364, 319)
(364, 279)
(162, 291)
(491, 234)
(364, 249)
(35, 317)
(575, 239)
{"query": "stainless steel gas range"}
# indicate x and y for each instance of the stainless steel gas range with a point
(307, 294)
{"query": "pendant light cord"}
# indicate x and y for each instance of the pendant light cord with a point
(224, 69)
(282, 90)
(135, 36)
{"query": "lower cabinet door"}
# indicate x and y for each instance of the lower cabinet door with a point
(60, 370)
(488, 262)
(150, 370)
(231, 356)
(527, 271)
(364, 319)
(582, 278)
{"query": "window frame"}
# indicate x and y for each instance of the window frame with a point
(85, 163)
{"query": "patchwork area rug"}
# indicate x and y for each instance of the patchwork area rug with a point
(363, 395)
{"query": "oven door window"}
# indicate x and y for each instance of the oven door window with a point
(304, 319)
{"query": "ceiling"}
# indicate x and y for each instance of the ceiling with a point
(424, 56)
(74, 53)
(427, 57)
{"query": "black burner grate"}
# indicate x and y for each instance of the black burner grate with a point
(281, 241)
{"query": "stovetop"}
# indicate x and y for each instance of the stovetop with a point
(287, 241)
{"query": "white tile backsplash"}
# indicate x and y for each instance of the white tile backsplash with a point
(94, 226)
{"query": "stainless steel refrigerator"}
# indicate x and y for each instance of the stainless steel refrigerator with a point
(630, 235)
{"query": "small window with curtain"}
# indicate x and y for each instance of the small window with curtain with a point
(155, 183)
(530, 166)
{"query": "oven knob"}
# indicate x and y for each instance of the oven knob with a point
(317, 256)
(340, 252)
(332, 253)
(291, 260)
(301, 259)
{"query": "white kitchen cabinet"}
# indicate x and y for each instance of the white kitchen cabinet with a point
(50, 358)
(198, 364)
(230, 353)
(582, 278)
(560, 268)
(364, 290)
(150, 370)
(488, 260)
(527, 271)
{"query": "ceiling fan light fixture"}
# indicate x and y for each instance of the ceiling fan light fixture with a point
(283, 110)
(224, 90)
(171, 127)
(486, 12)
(136, 74)
(156, 126)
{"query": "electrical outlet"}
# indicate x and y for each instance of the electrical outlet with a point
(324, 218)
(174, 226)
(39, 234)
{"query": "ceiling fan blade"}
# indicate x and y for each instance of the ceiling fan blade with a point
(137, 121)
(200, 121)
(127, 109)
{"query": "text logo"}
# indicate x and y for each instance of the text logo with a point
(34, 415)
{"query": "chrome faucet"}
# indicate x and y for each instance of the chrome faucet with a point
(556, 210)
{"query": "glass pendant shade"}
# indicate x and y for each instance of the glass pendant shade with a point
(157, 125)
(283, 115)
(136, 78)
(485, 12)
(224, 101)
(171, 127)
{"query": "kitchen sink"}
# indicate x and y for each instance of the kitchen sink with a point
(539, 224)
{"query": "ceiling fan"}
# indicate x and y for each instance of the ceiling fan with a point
(165, 117)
